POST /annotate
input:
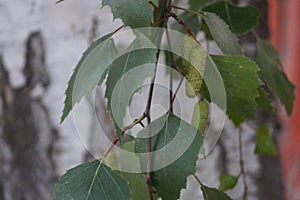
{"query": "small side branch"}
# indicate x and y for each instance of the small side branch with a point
(242, 166)
(173, 65)
(197, 179)
(160, 20)
(186, 28)
(126, 128)
(176, 92)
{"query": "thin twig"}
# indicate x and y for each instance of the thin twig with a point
(153, 4)
(186, 10)
(186, 28)
(150, 95)
(171, 90)
(115, 141)
(243, 172)
(126, 128)
(173, 65)
(197, 179)
(177, 90)
(160, 20)
(118, 29)
(149, 178)
(147, 114)
(137, 121)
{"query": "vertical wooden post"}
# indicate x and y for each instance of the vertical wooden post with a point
(285, 35)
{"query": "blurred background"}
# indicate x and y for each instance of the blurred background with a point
(40, 44)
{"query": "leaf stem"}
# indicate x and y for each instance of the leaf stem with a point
(176, 91)
(187, 10)
(171, 90)
(126, 128)
(187, 29)
(173, 65)
(160, 20)
(243, 172)
(149, 178)
(118, 29)
(197, 179)
(152, 4)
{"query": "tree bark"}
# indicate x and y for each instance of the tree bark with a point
(27, 137)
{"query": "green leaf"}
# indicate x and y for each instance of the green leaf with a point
(227, 182)
(92, 180)
(133, 13)
(137, 181)
(239, 19)
(200, 115)
(111, 160)
(197, 4)
(241, 83)
(235, 118)
(264, 102)
(272, 73)
(175, 147)
(213, 194)
(206, 30)
(264, 142)
(138, 187)
(190, 20)
(221, 33)
(90, 71)
(126, 74)
(193, 62)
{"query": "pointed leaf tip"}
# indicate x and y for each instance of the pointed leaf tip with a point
(90, 71)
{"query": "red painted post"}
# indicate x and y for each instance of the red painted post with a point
(284, 20)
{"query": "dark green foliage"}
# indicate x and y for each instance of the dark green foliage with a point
(264, 142)
(236, 84)
(93, 180)
(239, 75)
(264, 102)
(171, 137)
(213, 194)
(272, 72)
(239, 19)
(197, 4)
(228, 182)
(133, 13)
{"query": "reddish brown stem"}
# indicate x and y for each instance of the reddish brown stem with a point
(243, 172)
(173, 65)
(176, 91)
(186, 28)
(126, 128)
